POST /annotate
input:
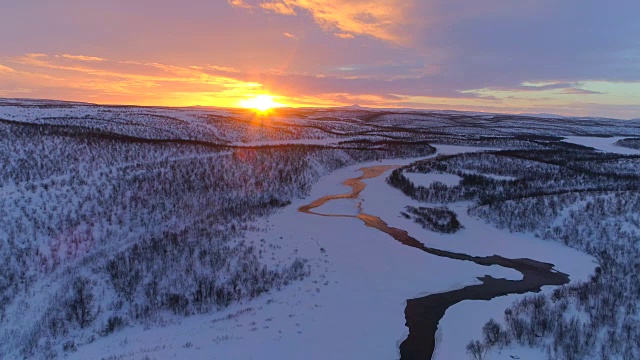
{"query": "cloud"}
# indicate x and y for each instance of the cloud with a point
(381, 19)
(155, 83)
(125, 81)
(344, 35)
(562, 88)
(16, 74)
(557, 87)
(289, 35)
(239, 3)
(281, 8)
(80, 57)
(576, 91)
(36, 55)
(6, 69)
(226, 69)
(131, 70)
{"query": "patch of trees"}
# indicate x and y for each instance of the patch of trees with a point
(631, 143)
(597, 318)
(154, 227)
(125, 232)
(584, 199)
(532, 173)
(438, 219)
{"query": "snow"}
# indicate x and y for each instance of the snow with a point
(500, 177)
(360, 278)
(339, 207)
(603, 144)
(544, 115)
(352, 305)
(381, 200)
(427, 179)
(323, 141)
(463, 322)
(492, 176)
(459, 149)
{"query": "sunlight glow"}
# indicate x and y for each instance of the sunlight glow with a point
(260, 103)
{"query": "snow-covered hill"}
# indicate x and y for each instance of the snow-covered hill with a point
(172, 232)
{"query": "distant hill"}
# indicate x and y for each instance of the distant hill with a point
(546, 116)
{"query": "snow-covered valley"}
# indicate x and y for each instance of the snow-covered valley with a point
(357, 293)
(162, 233)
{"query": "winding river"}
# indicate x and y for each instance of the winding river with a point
(423, 314)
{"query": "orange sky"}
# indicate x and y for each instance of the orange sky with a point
(496, 56)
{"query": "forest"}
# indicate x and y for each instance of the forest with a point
(97, 214)
(438, 219)
(582, 198)
(112, 217)
(631, 143)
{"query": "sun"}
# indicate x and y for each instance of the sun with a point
(260, 102)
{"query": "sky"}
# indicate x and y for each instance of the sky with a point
(569, 57)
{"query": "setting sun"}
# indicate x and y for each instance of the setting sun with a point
(260, 103)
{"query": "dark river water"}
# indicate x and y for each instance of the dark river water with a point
(423, 314)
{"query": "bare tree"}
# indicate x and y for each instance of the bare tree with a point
(81, 304)
(476, 349)
(491, 332)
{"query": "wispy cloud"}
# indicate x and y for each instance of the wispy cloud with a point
(499, 54)
(80, 57)
(564, 88)
(6, 69)
(380, 19)
(239, 3)
(577, 91)
(289, 35)
(227, 69)
(344, 35)
(155, 83)
(281, 8)
(137, 82)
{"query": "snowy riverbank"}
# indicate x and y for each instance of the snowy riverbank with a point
(352, 305)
